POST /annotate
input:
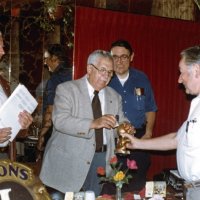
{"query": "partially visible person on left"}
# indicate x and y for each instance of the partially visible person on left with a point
(25, 118)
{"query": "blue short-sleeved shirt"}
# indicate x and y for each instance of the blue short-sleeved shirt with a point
(59, 76)
(135, 103)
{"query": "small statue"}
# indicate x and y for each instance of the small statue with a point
(124, 127)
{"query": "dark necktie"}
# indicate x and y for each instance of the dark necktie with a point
(96, 107)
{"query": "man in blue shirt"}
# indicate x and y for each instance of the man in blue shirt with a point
(60, 69)
(138, 105)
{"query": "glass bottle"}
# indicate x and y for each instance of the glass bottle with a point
(118, 193)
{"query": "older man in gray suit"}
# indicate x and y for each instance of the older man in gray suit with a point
(70, 158)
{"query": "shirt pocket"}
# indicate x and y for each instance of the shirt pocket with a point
(193, 133)
(140, 102)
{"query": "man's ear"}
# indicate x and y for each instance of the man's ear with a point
(132, 56)
(55, 61)
(89, 69)
(54, 58)
(196, 68)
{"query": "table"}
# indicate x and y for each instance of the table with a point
(171, 194)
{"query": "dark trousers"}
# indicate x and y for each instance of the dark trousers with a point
(92, 181)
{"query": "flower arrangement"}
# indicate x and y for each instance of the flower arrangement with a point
(118, 176)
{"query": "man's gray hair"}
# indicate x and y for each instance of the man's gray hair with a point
(97, 54)
(191, 55)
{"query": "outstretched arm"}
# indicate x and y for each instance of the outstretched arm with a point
(162, 143)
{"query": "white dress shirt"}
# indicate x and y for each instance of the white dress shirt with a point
(102, 100)
(188, 149)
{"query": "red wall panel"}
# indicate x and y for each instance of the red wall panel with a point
(157, 43)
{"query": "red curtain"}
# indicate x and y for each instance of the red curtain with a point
(157, 43)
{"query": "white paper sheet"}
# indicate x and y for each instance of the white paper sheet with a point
(19, 100)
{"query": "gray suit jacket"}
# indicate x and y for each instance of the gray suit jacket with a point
(70, 150)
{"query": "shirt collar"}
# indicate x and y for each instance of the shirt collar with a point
(91, 90)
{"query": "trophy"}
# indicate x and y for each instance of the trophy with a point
(124, 127)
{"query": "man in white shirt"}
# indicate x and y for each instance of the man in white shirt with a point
(187, 139)
(25, 118)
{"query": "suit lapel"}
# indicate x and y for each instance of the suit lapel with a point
(85, 96)
(108, 101)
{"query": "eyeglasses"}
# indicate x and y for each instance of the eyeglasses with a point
(103, 71)
(123, 57)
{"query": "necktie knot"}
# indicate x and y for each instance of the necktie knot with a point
(96, 92)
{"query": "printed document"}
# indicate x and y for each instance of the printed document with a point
(19, 100)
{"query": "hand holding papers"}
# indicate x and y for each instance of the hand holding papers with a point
(20, 100)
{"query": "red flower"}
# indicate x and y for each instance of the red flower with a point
(113, 160)
(131, 164)
(101, 171)
(107, 196)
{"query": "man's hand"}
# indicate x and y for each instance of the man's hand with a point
(25, 119)
(132, 140)
(39, 155)
(106, 121)
(5, 134)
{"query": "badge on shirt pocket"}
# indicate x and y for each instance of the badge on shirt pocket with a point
(140, 97)
(139, 91)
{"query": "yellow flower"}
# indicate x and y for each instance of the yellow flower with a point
(119, 176)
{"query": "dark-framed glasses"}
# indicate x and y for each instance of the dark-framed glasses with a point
(103, 71)
(123, 57)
